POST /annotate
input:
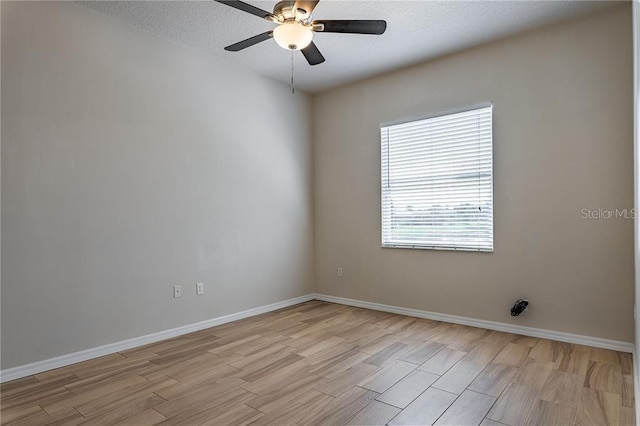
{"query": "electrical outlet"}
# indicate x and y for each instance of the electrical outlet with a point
(199, 288)
(177, 291)
(339, 271)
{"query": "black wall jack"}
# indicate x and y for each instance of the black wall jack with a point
(519, 307)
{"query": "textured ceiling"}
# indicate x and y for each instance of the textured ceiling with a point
(416, 31)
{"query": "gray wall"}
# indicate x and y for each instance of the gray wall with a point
(131, 164)
(563, 128)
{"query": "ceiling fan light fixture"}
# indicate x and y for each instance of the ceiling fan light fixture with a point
(292, 35)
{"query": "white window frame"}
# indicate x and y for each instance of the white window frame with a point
(457, 240)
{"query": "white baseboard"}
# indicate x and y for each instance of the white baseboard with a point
(595, 342)
(64, 360)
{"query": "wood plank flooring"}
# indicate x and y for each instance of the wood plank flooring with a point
(322, 363)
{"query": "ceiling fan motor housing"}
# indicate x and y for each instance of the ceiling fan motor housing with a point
(285, 11)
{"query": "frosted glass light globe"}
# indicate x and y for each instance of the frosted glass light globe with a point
(292, 35)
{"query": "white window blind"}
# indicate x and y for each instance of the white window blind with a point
(437, 182)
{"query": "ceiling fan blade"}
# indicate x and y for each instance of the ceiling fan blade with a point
(353, 27)
(306, 5)
(245, 7)
(312, 54)
(249, 42)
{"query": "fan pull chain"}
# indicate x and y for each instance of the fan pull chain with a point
(293, 91)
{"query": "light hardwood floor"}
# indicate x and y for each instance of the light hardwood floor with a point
(322, 363)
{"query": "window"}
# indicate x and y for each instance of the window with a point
(437, 182)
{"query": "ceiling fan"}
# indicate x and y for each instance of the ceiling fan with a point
(295, 27)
